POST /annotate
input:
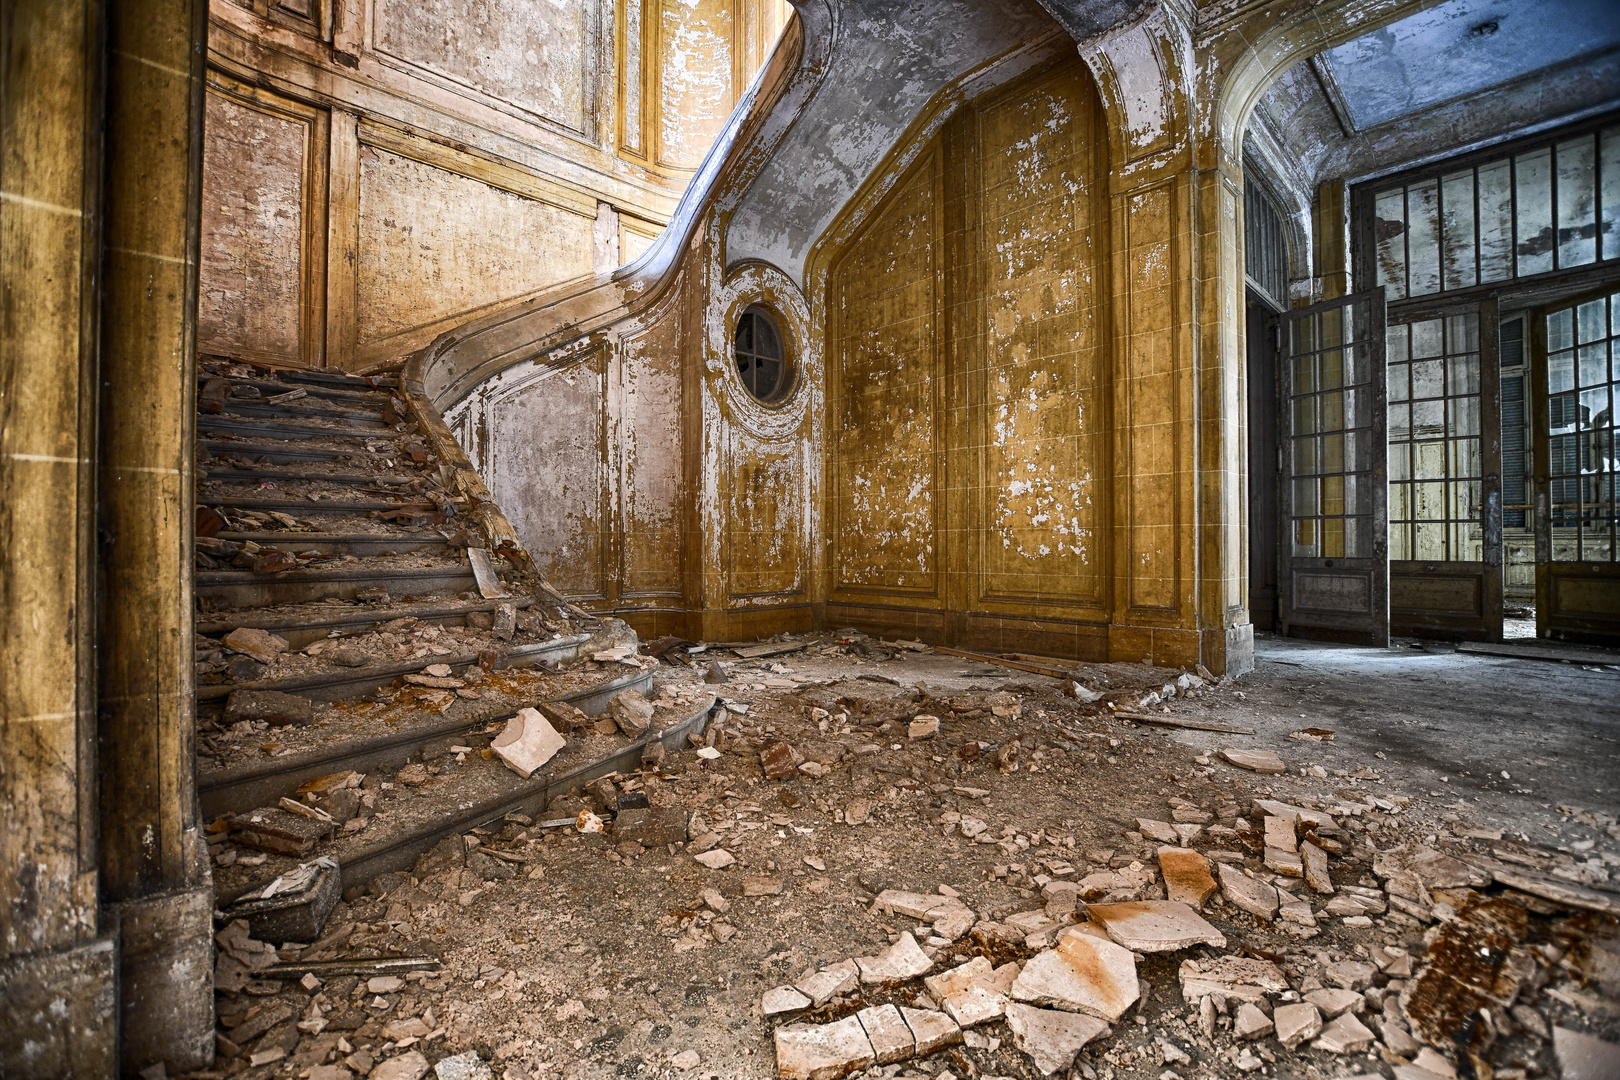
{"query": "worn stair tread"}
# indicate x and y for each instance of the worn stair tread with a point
(345, 543)
(273, 429)
(369, 397)
(261, 472)
(295, 410)
(287, 450)
(327, 616)
(314, 684)
(410, 821)
(322, 506)
(237, 775)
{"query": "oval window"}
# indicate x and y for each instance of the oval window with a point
(761, 361)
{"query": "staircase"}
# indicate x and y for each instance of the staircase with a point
(358, 644)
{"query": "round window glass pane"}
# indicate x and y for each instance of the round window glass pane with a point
(760, 361)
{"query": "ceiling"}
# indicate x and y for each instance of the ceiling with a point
(1460, 48)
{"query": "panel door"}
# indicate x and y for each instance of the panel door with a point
(1333, 555)
(1576, 379)
(1445, 472)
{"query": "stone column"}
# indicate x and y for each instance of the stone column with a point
(155, 878)
(58, 973)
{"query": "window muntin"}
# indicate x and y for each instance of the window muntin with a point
(760, 357)
(1582, 459)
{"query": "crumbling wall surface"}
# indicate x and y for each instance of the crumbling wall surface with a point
(695, 77)
(254, 165)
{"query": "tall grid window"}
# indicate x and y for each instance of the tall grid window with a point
(1331, 397)
(1435, 463)
(1265, 245)
(1549, 207)
(1515, 427)
(1582, 385)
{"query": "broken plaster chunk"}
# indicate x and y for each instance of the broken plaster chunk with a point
(782, 999)
(464, 1066)
(1296, 1023)
(1233, 977)
(1316, 868)
(923, 727)
(888, 1033)
(1186, 876)
(1157, 830)
(1350, 974)
(824, 985)
(1280, 834)
(1256, 897)
(632, 712)
(261, 645)
(1345, 1035)
(822, 1052)
(528, 742)
(715, 859)
(1286, 863)
(900, 961)
(1083, 974)
(967, 992)
(1156, 925)
(931, 1030)
(1251, 1023)
(1261, 761)
(1336, 1002)
(778, 760)
(269, 706)
(1051, 1038)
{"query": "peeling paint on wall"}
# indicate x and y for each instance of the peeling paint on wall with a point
(434, 244)
(249, 293)
(695, 70)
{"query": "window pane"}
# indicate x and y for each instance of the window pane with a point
(1464, 416)
(1577, 209)
(1457, 248)
(1400, 421)
(1465, 459)
(1426, 340)
(1429, 459)
(1423, 238)
(1389, 231)
(1610, 164)
(1495, 222)
(1533, 181)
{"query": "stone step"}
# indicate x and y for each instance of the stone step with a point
(349, 543)
(280, 451)
(303, 624)
(301, 507)
(298, 409)
(481, 792)
(267, 472)
(227, 424)
(239, 788)
(244, 588)
(373, 399)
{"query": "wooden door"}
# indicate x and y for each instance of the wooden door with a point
(1333, 555)
(1575, 376)
(1445, 472)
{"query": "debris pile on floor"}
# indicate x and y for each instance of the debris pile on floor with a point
(956, 869)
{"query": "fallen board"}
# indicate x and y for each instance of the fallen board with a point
(1195, 725)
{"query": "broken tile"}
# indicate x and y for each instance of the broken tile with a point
(261, 645)
(1250, 1022)
(717, 859)
(1233, 977)
(1350, 974)
(1344, 1035)
(1279, 833)
(1316, 868)
(1296, 1023)
(1256, 897)
(1334, 1002)
(824, 985)
(1155, 925)
(1082, 974)
(966, 993)
(888, 1033)
(1051, 1038)
(1263, 761)
(932, 1030)
(1156, 830)
(527, 742)
(900, 961)
(1186, 876)
(410, 1066)
(822, 1052)
(782, 999)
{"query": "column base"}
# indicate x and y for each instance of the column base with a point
(166, 980)
(1227, 651)
(61, 1013)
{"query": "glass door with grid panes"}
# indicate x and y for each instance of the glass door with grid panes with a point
(1577, 546)
(1333, 562)
(1445, 466)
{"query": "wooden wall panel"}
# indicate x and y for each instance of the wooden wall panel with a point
(883, 375)
(651, 483)
(1149, 399)
(543, 458)
(695, 87)
(1041, 503)
(765, 513)
(533, 55)
(257, 160)
(434, 244)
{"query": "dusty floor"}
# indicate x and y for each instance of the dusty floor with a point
(596, 958)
